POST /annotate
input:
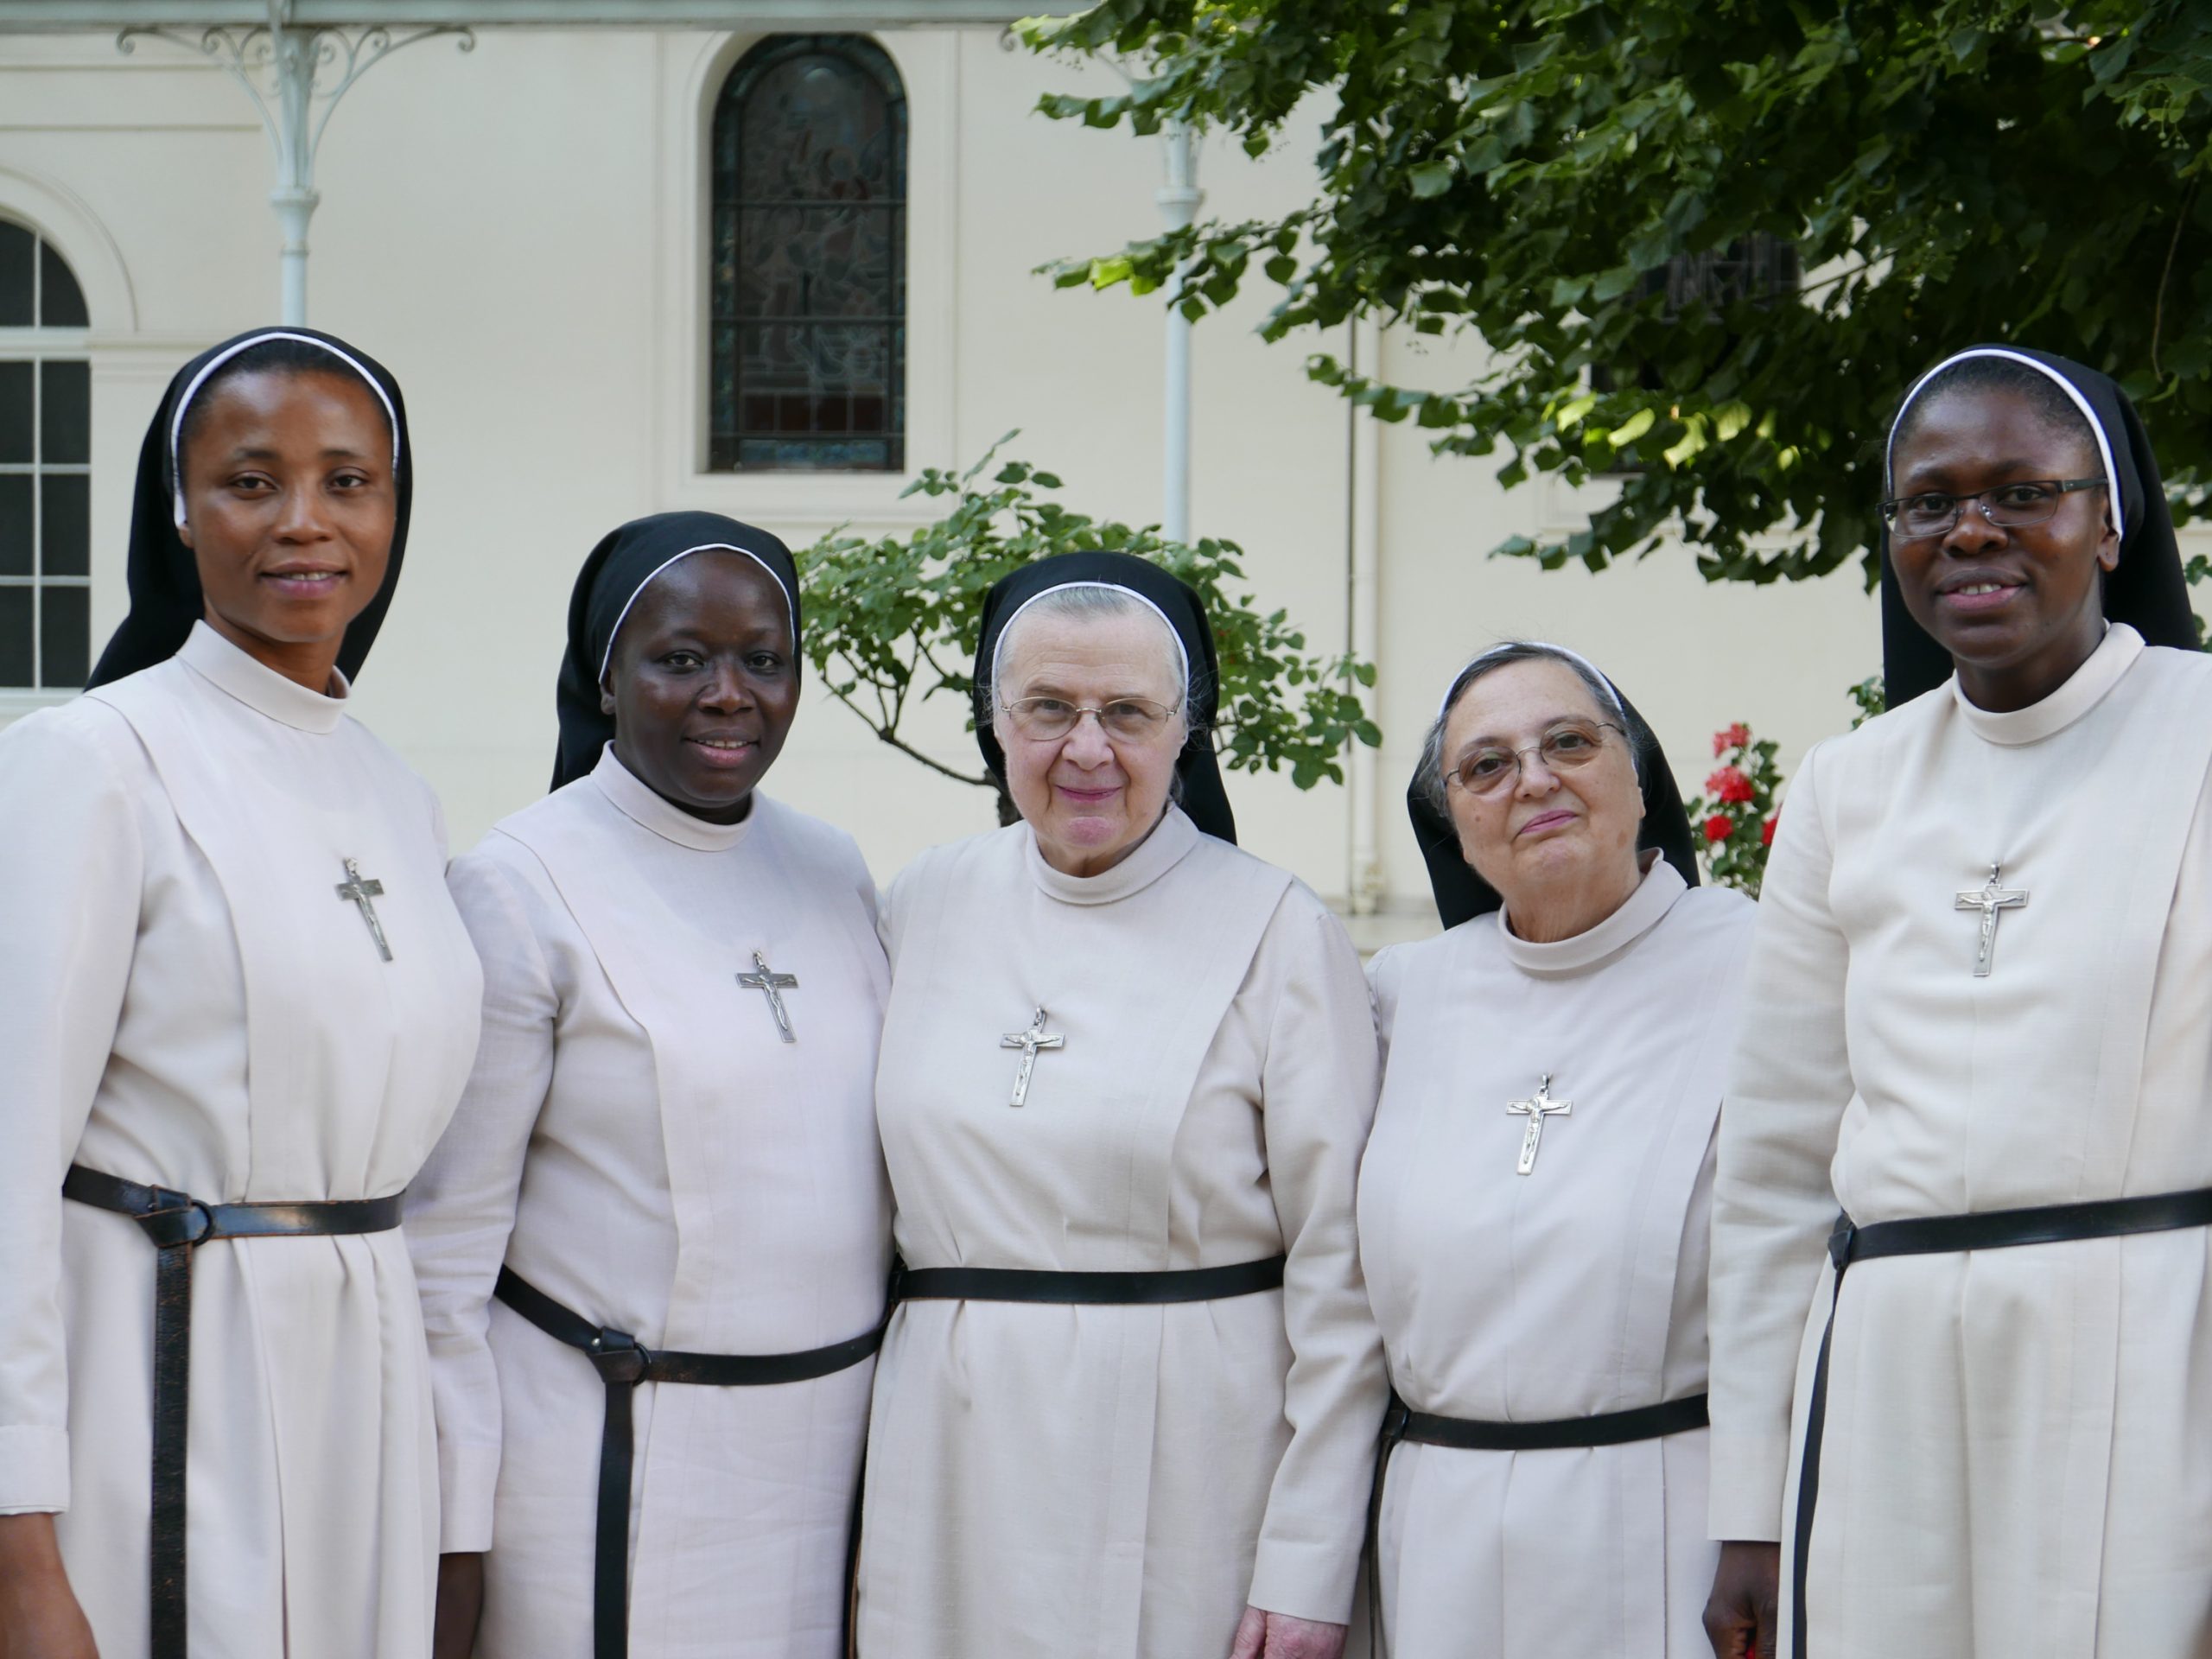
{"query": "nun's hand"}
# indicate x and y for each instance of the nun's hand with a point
(1278, 1636)
(1741, 1618)
(461, 1604)
(39, 1615)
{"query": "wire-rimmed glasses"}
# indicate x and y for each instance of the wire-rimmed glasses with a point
(2008, 506)
(1127, 720)
(1567, 747)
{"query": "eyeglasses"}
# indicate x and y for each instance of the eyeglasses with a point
(1130, 719)
(2009, 507)
(1567, 747)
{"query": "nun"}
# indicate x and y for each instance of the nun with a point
(1552, 1079)
(653, 1245)
(1961, 1355)
(1128, 1407)
(237, 1007)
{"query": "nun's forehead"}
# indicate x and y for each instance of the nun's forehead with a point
(1076, 613)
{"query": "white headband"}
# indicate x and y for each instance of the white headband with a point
(998, 651)
(2104, 443)
(191, 390)
(622, 616)
(1576, 656)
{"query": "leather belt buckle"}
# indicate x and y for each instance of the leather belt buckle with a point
(618, 1356)
(178, 1219)
(1843, 1242)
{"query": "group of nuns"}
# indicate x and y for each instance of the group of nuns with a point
(400, 1258)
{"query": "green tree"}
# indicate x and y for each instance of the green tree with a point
(893, 621)
(1946, 171)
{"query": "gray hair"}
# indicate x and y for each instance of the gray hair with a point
(1084, 600)
(1431, 770)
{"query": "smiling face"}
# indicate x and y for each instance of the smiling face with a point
(1088, 797)
(289, 503)
(703, 683)
(2017, 609)
(1560, 846)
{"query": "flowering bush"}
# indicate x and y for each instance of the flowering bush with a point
(1735, 815)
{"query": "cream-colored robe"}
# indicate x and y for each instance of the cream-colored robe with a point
(185, 1001)
(1107, 1483)
(639, 1142)
(1576, 1289)
(2019, 1451)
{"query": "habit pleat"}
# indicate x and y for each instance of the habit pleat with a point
(187, 1003)
(640, 1144)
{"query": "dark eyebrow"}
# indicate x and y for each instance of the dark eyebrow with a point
(2037, 473)
(1492, 741)
(263, 453)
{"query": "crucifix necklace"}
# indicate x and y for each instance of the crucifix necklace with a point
(1536, 1108)
(1992, 899)
(1030, 1042)
(765, 978)
(355, 891)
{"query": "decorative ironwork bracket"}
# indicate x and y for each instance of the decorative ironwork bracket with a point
(294, 75)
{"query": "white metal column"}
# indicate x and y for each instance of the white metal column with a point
(1179, 199)
(295, 73)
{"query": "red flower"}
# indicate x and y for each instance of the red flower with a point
(1766, 831)
(1719, 827)
(1729, 784)
(1733, 737)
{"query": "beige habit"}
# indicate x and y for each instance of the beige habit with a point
(638, 1142)
(186, 1002)
(1119, 1482)
(1575, 1290)
(2019, 1449)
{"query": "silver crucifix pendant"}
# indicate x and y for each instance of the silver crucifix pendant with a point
(1536, 1108)
(355, 891)
(765, 978)
(1991, 899)
(1030, 1042)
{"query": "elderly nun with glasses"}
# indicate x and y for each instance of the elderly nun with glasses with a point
(1961, 1268)
(1128, 1406)
(1533, 1205)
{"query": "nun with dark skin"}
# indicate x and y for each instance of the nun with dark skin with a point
(1962, 1345)
(652, 1247)
(237, 1009)
(1552, 1074)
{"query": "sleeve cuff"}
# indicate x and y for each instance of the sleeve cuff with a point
(468, 1481)
(34, 1470)
(1304, 1580)
(1749, 1475)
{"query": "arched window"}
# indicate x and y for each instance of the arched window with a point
(807, 264)
(45, 452)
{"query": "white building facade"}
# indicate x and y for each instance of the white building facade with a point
(526, 232)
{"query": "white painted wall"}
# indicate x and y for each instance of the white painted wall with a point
(516, 233)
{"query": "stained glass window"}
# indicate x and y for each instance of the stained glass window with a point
(808, 261)
(45, 469)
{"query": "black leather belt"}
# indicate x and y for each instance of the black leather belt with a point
(623, 1363)
(1606, 1429)
(178, 1224)
(1992, 1230)
(1468, 1434)
(1087, 1289)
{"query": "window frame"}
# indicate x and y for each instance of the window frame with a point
(798, 505)
(867, 58)
(40, 346)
